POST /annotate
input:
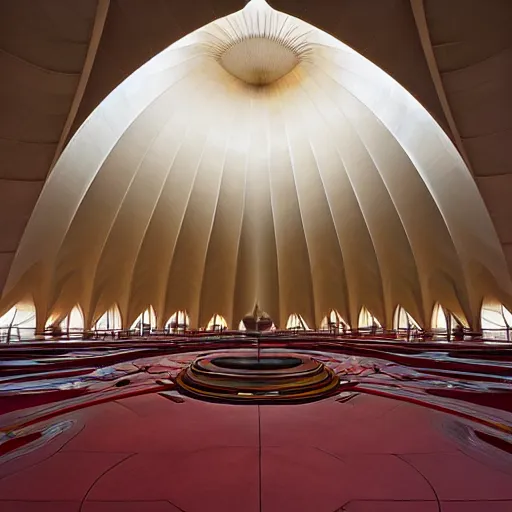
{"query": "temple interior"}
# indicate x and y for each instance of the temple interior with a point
(256, 256)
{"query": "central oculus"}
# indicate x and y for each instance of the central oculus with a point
(259, 60)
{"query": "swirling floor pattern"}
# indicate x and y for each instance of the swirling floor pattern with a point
(104, 428)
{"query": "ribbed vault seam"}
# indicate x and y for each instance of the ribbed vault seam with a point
(143, 237)
(167, 312)
(304, 230)
(398, 214)
(448, 225)
(272, 198)
(344, 167)
(36, 66)
(329, 205)
(457, 253)
(244, 214)
(157, 306)
(210, 230)
(90, 179)
(279, 283)
(94, 290)
(420, 18)
(94, 297)
(94, 43)
(422, 288)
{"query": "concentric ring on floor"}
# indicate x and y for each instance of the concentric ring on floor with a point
(235, 377)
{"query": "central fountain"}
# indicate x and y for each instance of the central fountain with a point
(262, 378)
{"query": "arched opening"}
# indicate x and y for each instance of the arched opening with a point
(367, 322)
(440, 319)
(404, 324)
(296, 323)
(178, 323)
(334, 323)
(445, 325)
(496, 321)
(110, 320)
(146, 322)
(71, 324)
(19, 323)
(74, 322)
(217, 323)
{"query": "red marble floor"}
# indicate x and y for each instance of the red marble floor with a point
(159, 451)
(148, 453)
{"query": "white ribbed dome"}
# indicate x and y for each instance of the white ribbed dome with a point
(259, 159)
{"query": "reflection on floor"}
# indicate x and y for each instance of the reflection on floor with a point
(103, 428)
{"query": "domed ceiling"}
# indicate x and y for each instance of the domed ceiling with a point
(259, 159)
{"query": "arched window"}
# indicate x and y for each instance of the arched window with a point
(367, 320)
(440, 318)
(217, 323)
(72, 323)
(496, 321)
(110, 320)
(146, 322)
(179, 322)
(445, 325)
(333, 322)
(404, 322)
(296, 323)
(18, 323)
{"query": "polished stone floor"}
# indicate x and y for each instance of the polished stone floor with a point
(153, 451)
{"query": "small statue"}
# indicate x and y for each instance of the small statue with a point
(258, 320)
